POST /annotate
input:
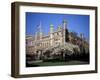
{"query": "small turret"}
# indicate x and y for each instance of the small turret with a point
(51, 28)
(36, 34)
(51, 34)
(81, 35)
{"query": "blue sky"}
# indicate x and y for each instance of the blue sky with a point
(76, 23)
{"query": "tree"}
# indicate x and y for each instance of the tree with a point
(66, 35)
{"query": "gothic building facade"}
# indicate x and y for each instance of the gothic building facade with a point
(39, 42)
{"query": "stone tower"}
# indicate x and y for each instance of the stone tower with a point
(64, 30)
(51, 34)
(64, 24)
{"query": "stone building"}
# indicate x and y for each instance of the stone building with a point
(39, 42)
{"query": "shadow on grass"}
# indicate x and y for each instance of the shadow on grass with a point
(68, 60)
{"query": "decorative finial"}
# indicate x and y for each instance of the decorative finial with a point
(64, 21)
(51, 26)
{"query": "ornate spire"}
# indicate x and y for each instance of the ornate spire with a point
(64, 24)
(40, 30)
(40, 26)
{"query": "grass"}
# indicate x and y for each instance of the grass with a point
(56, 63)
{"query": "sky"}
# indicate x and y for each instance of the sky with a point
(76, 23)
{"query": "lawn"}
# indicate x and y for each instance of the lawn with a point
(56, 63)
